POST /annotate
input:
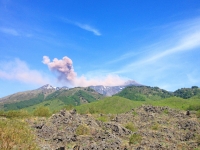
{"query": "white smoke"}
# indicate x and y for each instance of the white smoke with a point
(65, 70)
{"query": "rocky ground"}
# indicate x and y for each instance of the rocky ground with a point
(147, 127)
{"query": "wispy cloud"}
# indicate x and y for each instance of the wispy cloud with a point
(88, 28)
(9, 31)
(83, 26)
(186, 40)
(169, 60)
(18, 70)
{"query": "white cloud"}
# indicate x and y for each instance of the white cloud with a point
(83, 26)
(18, 70)
(169, 62)
(188, 40)
(9, 31)
(88, 28)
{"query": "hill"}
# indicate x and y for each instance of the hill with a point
(114, 105)
(142, 93)
(117, 105)
(74, 96)
(188, 92)
(26, 95)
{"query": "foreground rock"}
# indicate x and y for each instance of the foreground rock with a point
(146, 127)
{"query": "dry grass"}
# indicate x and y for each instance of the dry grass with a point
(82, 130)
(15, 134)
(135, 138)
(131, 127)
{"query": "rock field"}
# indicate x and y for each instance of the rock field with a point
(143, 128)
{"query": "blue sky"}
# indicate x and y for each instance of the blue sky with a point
(155, 43)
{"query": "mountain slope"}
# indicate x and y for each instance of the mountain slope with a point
(114, 105)
(142, 93)
(111, 90)
(27, 95)
(74, 96)
(188, 92)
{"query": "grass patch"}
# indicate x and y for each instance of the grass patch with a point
(135, 138)
(112, 105)
(175, 102)
(15, 114)
(134, 113)
(130, 126)
(103, 119)
(198, 139)
(155, 126)
(68, 107)
(53, 105)
(15, 134)
(198, 114)
(42, 111)
(82, 130)
(166, 111)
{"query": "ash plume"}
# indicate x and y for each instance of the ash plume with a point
(64, 69)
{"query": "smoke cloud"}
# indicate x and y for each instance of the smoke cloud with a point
(63, 67)
(19, 70)
(65, 71)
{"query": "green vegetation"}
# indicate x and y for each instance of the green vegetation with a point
(188, 92)
(53, 105)
(25, 103)
(107, 105)
(134, 113)
(103, 118)
(68, 107)
(42, 112)
(195, 107)
(75, 96)
(198, 113)
(142, 93)
(15, 134)
(155, 126)
(135, 138)
(82, 130)
(15, 114)
(130, 126)
(175, 102)
(116, 104)
(198, 139)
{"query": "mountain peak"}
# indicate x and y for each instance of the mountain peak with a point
(47, 86)
(132, 82)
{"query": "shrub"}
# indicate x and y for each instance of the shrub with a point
(92, 110)
(155, 126)
(198, 139)
(134, 113)
(103, 118)
(42, 111)
(68, 107)
(82, 130)
(130, 126)
(194, 107)
(16, 114)
(2, 113)
(135, 138)
(166, 111)
(198, 114)
(15, 134)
